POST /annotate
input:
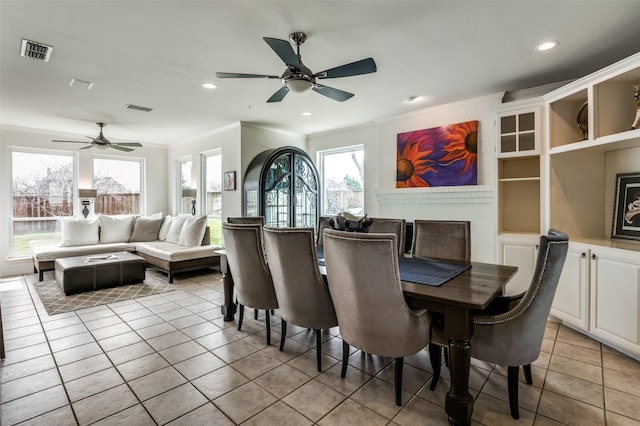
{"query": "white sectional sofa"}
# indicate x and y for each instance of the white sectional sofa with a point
(172, 243)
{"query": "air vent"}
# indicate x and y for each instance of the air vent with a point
(35, 50)
(138, 108)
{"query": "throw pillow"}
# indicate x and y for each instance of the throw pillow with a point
(176, 226)
(164, 228)
(193, 231)
(78, 232)
(145, 229)
(115, 229)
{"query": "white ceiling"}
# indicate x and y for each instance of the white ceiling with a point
(157, 53)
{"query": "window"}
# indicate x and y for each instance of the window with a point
(342, 174)
(118, 183)
(187, 192)
(42, 188)
(212, 197)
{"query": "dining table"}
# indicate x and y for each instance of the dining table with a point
(471, 290)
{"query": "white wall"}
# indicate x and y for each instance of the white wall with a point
(155, 199)
(383, 199)
(239, 144)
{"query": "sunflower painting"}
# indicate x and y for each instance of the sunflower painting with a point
(440, 156)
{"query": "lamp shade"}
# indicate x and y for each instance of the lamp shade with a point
(88, 193)
(188, 193)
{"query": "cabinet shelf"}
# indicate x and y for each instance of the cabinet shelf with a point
(524, 179)
(623, 140)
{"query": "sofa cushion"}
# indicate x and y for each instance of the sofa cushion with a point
(164, 228)
(145, 229)
(192, 231)
(77, 232)
(172, 252)
(116, 229)
(51, 253)
(176, 227)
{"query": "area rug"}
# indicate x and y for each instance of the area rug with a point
(56, 302)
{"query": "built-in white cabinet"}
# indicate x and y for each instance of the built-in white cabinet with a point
(588, 142)
(615, 298)
(520, 251)
(571, 302)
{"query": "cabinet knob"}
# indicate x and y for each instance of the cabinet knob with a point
(583, 255)
(593, 257)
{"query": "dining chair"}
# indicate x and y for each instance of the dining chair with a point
(445, 240)
(251, 275)
(364, 282)
(393, 226)
(303, 296)
(514, 338)
(246, 220)
(442, 239)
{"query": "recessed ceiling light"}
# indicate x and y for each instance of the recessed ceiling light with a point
(546, 45)
(306, 113)
(209, 86)
(410, 99)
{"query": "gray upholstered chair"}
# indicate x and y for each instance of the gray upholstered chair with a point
(251, 275)
(393, 226)
(442, 239)
(446, 240)
(246, 220)
(259, 220)
(364, 282)
(514, 338)
(303, 296)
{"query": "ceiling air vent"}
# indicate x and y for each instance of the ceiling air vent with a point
(35, 50)
(138, 108)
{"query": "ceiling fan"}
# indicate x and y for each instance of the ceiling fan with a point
(298, 78)
(101, 142)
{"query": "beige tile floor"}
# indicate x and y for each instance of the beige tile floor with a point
(171, 359)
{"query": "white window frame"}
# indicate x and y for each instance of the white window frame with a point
(320, 158)
(140, 160)
(76, 201)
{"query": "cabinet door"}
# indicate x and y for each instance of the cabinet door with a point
(523, 255)
(571, 302)
(615, 294)
(518, 132)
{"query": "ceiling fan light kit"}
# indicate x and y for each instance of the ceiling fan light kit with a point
(298, 78)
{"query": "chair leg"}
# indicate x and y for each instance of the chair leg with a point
(446, 357)
(267, 320)
(512, 384)
(398, 381)
(319, 349)
(255, 314)
(240, 316)
(345, 359)
(283, 334)
(527, 374)
(434, 357)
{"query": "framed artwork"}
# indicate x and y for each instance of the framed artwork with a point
(626, 213)
(439, 156)
(229, 181)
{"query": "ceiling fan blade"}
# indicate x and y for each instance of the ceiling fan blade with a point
(55, 140)
(330, 92)
(87, 147)
(121, 148)
(283, 49)
(138, 144)
(364, 66)
(279, 95)
(239, 75)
